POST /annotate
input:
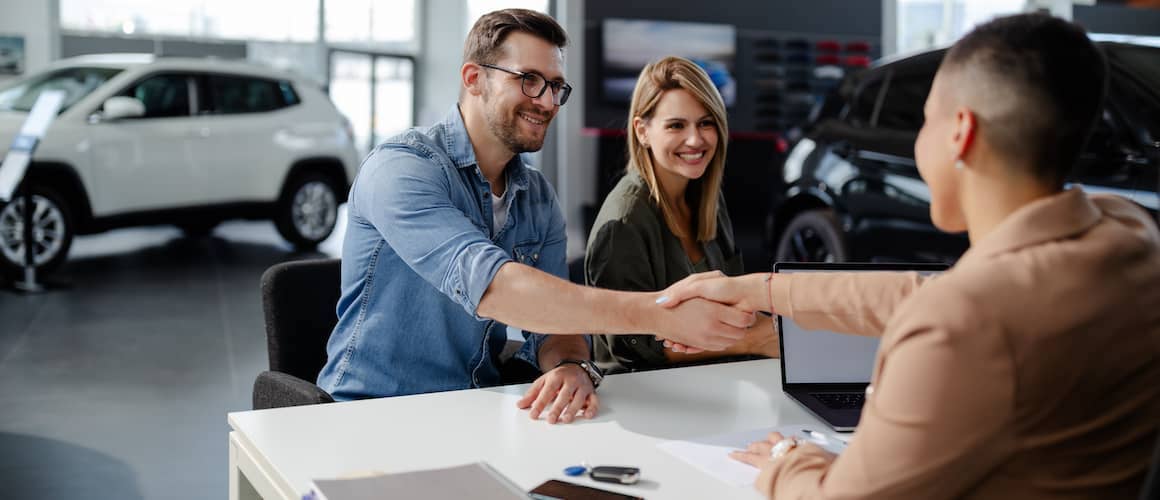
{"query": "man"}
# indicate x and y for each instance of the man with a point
(451, 236)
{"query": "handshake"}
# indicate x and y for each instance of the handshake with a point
(710, 311)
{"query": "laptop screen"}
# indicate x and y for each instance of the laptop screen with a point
(824, 357)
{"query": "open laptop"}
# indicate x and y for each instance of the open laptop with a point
(828, 372)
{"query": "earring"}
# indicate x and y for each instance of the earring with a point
(959, 165)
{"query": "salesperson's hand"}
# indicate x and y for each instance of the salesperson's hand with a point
(565, 393)
(760, 454)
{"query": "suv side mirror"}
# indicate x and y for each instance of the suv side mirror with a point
(120, 107)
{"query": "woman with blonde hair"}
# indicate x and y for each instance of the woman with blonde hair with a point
(666, 218)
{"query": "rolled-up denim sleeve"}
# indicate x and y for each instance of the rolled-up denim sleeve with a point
(408, 200)
(553, 260)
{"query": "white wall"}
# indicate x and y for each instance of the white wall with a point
(38, 21)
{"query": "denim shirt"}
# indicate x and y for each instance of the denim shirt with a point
(418, 255)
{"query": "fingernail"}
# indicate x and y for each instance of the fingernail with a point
(663, 299)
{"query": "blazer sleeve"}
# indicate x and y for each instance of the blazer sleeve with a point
(845, 302)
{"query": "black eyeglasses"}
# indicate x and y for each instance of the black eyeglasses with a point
(534, 85)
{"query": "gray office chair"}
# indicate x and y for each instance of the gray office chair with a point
(299, 300)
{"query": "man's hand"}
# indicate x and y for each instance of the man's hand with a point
(702, 324)
(564, 392)
(761, 338)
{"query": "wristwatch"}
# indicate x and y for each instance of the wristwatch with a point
(589, 367)
(782, 447)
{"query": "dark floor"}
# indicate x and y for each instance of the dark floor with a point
(118, 387)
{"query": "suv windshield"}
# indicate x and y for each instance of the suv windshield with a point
(76, 82)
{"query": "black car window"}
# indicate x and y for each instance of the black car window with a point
(862, 105)
(233, 94)
(905, 98)
(1138, 103)
(164, 96)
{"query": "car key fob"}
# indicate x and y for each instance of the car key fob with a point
(614, 474)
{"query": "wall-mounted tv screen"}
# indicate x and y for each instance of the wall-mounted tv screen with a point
(630, 44)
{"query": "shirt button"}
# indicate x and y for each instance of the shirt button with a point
(632, 341)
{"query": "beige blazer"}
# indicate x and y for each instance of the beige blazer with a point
(1031, 369)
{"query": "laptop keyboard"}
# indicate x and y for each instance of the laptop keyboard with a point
(840, 400)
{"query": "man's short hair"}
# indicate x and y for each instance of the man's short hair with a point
(485, 40)
(1036, 84)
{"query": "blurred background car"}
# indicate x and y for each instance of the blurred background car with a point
(143, 140)
(850, 190)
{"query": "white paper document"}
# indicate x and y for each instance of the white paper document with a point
(711, 453)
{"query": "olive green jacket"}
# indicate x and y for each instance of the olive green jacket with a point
(631, 248)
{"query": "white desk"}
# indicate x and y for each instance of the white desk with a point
(274, 454)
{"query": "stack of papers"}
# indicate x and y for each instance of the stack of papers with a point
(711, 453)
(477, 481)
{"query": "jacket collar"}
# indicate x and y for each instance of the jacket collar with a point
(1056, 217)
(462, 154)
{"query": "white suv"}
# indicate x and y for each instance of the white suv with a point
(189, 142)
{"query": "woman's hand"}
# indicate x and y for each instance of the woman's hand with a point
(748, 292)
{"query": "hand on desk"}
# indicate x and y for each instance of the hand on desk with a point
(564, 393)
(757, 454)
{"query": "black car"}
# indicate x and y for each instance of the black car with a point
(850, 190)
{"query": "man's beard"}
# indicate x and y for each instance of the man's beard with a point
(506, 129)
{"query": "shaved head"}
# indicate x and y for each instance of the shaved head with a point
(1036, 84)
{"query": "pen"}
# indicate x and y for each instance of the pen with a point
(816, 435)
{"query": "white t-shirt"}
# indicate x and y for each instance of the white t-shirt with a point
(499, 212)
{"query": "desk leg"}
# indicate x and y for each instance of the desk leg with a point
(240, 487)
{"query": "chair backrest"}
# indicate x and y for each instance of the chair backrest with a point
(299, 300)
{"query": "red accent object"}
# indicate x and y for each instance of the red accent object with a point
(858, 61)
(826, 59)
(829, 46)
(782, 145)
(858, 47)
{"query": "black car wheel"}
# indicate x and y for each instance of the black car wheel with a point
(52, 232)
(812, 236)
(308, 210)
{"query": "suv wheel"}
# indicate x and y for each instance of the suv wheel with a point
(812, 236)
(52, 232)
(308, 210)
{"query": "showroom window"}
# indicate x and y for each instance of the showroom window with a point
(927, 24)
(232, 95)
(375, 92)
(280, 20)
(164, 96)
(477, 8)
(371, 22)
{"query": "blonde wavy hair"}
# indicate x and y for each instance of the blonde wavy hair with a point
(655, 79)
